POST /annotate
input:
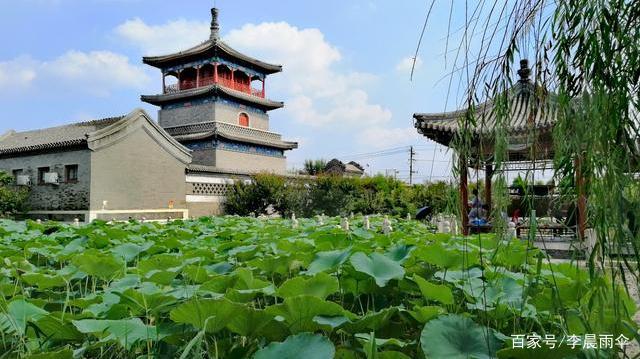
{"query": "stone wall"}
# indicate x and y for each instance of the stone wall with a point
(230, 113)
(207, 112)
(136, 172)
(198, 209)
(250, 162)
(186, 115)
(51, 197)
(205, 157)
(206, 192)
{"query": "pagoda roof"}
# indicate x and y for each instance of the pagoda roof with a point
(529, 108)
(212, 47)
(59, 137)
(205, 130)
(524, 112)
(214, 89)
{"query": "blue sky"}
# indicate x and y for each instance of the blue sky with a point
(345, 83)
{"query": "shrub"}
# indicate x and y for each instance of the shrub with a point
(13, 199)
(335, 196)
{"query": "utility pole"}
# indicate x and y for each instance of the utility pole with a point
(412, 160)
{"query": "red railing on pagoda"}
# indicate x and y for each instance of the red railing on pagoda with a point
(243, 87)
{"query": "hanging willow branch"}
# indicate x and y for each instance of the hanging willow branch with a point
(587, 53)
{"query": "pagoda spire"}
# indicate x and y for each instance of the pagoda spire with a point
(215, 27)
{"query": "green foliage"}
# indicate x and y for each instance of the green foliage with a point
(13, 200)
(314, 167)
(242, 287)
(335, 195)
(457, 337)
(304, 345)
(256, 197)
(377, 266)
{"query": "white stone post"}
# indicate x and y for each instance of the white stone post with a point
(386, 225)
(511, 230)
(446, 227)
(345, 224)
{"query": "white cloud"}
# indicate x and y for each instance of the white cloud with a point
(99, 71)
(96, 72)
(405, 65)
(318, 93)
(18, 73)
(162, 39)
(381, 137)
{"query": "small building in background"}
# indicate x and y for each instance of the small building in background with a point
(350, 169)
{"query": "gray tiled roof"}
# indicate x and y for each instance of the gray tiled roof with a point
(212, 46)
(229, 131)
(525, 112)
(55, 137)
(194, 168)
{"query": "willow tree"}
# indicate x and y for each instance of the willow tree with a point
(586, 52)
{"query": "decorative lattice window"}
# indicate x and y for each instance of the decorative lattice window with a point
(210, 189)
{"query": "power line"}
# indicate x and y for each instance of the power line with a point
(384, 152)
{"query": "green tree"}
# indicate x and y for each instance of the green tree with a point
(314, 167)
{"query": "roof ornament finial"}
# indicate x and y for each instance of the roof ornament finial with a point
(524, 71)
(215, 27)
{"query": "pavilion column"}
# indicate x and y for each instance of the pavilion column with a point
(464, 194)
(263, 81)
(198, 76)
(215, 72)
(488, 176)
(582, 199)
(164, 84)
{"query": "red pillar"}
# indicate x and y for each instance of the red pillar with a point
(464, 195)
(197, 76)
(233, 81)
(263, 81)
(215, 72)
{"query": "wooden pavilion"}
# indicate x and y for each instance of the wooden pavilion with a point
(530, 121)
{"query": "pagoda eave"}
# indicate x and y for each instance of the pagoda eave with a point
(211, 48)
(281, 145)
(259, 102)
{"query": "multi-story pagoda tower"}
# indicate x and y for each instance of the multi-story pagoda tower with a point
(214, 102)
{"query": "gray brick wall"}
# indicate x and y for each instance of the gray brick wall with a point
(206, 157)
(208, 112)
(64, 196)
(186, 115)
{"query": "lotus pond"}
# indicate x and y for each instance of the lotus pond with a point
(250, 288)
